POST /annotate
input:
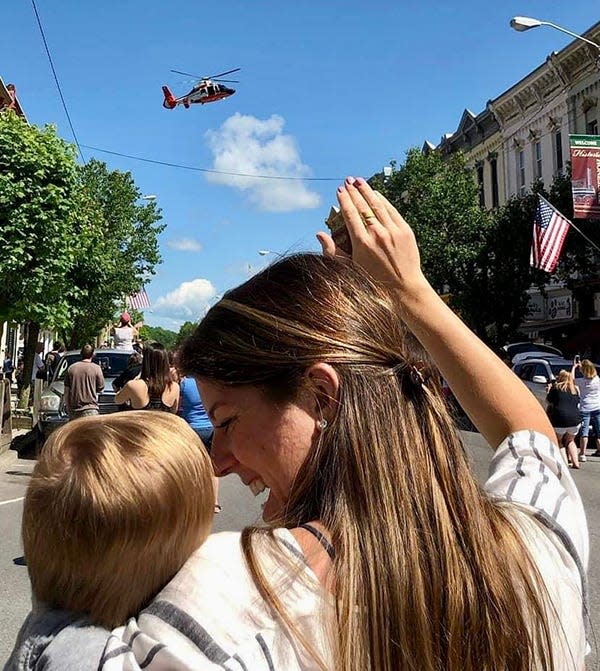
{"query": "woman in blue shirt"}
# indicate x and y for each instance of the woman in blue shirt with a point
(192, 410)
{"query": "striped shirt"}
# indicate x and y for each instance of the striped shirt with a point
(211, 616)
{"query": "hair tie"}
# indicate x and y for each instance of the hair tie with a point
(416, 373)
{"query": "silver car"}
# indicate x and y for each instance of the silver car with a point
(52, 413)
(538, 373)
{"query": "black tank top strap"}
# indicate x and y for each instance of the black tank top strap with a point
(156, 403)
(327, 546)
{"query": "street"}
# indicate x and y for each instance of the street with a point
(239, 510)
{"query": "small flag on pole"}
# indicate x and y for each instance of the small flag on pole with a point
(139, 301)
(549, 231)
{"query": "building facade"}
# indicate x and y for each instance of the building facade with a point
(523, 137)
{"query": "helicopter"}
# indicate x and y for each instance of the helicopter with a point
(207, 90)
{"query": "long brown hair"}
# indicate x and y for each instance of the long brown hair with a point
(156, 371)
(429, 573)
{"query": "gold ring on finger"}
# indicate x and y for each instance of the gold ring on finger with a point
(368, 218)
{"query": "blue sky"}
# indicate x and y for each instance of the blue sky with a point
(326, 89)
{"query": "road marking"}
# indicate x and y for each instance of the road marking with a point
(3, 503)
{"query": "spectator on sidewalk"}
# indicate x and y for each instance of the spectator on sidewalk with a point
(38, 362)
(589, 391)
(19, 376)
(52, 359)
(8, 368)
(83, 382)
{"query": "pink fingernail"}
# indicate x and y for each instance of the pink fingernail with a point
(341, 188)
(349, 180)
(359, 181)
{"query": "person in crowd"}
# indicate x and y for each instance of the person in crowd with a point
(563, 412)
(52, 359)
(589, 392)
(133, 370)
(124, 333)
(154, 389)
(319, 376)
(38, 363)
(192, 410)
(93, 558)
(8, 368)
(19, 375)
(173, 366)
(83, 382)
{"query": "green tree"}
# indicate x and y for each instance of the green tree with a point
(119, 252)
(186, 330)
(39, 227)
(439, 197)
(157, 334)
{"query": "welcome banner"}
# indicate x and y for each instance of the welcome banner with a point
(585, 181)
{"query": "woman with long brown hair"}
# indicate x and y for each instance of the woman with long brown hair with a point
(155, 389)
(380, 550)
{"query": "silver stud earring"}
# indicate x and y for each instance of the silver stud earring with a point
(322, 424)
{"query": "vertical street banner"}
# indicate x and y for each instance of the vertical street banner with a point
(585, 181)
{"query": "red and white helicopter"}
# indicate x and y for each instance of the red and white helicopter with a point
(207, 90)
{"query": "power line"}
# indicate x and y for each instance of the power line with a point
(37, 16)
(216, 172)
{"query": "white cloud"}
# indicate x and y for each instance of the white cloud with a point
(188, 302)
(259, 147)
(184, 245)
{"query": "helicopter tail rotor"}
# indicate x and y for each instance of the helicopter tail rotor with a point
(170, 101)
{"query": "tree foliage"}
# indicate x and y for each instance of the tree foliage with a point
(118, 253)
(481, 257)
(39, 226)
(158, 334)
(186, 330)
(439, 198)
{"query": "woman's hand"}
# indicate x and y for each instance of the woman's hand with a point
(382, 242)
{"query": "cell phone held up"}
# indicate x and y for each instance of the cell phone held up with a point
(337, 226)
(577, 359)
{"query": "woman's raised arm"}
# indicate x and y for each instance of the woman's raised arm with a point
(493, 397)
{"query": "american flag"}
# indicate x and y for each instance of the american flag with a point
(139, 301)
(549, 232)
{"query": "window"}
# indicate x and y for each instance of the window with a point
(591, 126)
(521, 171)
(558, 154)
(480, 183)
(537, 160)
(494, 170)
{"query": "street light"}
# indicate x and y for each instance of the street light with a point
(523, 23)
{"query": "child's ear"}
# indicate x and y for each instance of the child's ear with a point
(325, 384)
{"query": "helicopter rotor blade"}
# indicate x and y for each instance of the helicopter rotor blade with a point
(222, 74)
(187, 74)
(228, 81)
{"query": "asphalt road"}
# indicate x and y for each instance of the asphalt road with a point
(240, 508)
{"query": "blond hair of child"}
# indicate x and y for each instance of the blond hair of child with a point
(115, 506)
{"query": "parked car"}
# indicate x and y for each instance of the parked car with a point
(52, 412)
(537, 373)
(523, 350)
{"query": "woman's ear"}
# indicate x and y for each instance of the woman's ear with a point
(324, 383)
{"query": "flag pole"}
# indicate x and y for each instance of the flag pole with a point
(583, 235)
